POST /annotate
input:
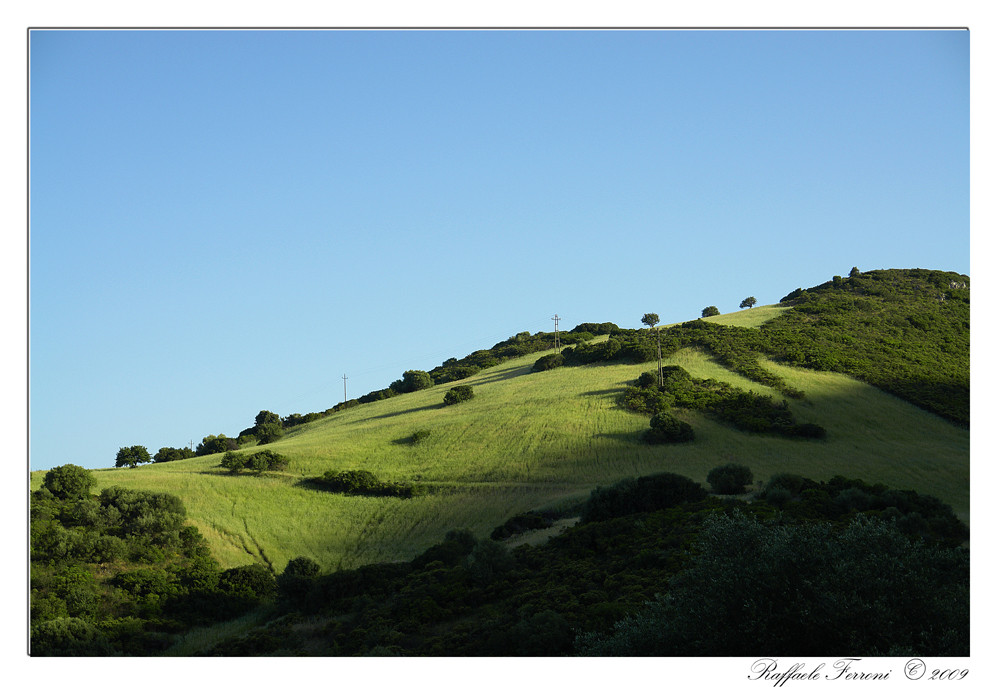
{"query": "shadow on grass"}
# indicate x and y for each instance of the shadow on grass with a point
(384, 416)
(624, 437)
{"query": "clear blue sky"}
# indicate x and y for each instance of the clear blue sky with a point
(225, 222)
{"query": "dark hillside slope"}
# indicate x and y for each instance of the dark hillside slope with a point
(904, 331)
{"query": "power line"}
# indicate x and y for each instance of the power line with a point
(556, 318)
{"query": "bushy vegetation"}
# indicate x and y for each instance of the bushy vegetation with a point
(709, 311)
(364, 483)
(731, 478)
(118, 573)
(806, 582)
(215, 444)
(458, 394)
(664, 428)
(259, 462)
(862, 324)
(548, 362)
(522, 522)
(640, 495)
(744, 410)
(167, 454)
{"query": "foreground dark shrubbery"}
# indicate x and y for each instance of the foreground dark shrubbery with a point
(364, 483)
(118, 573)
(731, 478)
(807, 584)
(638, 495)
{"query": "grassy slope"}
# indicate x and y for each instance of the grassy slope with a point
(528, 441)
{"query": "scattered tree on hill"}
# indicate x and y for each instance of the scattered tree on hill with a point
(710, 311)
(855, 272)
(748, 302)
(215, 444)
(413, 380)
(651, 319)
(462, 392)
(132, 456)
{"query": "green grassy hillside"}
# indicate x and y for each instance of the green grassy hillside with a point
(529, 441)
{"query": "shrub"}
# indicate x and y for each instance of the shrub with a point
(710, 311)
(548, 362)
(69, 482)
(645, 494)
(419, 436)
(167, 454)
(664, 428)
(457, 394)
(249, 581)
(730, 479)
(259, 462)
(364, 483)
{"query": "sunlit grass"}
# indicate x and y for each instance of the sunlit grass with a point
(530, 440)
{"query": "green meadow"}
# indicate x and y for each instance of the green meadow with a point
(529, 441)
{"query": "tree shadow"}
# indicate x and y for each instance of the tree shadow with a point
(397, 413)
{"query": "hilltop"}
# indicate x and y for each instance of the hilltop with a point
(864, 377)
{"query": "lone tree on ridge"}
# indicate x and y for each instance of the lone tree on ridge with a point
(748, 302)
(651, 319)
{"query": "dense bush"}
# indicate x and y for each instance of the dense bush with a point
(215, 444)
(548, 362)
(364, 483)
(664, 428)
(731, 478)
(638, 495)
(418, 436)
(112, 574)
(457, 394)
(69, 482)
(259, 462)
(710, 311)
(522, 522)
(167, 454)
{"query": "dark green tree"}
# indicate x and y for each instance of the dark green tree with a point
(413, 380)
(748, 302)
(69, 482)
(131, 456)
(710, 311)
(855, 272)
(266, 417)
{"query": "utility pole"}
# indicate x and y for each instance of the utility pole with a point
(345, 387)
(556, 319)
